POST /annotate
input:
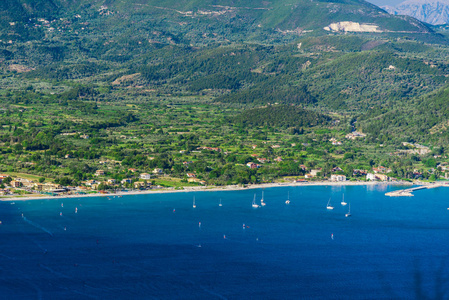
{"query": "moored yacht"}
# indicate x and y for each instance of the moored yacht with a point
(348, 214)
(261, 201)
(329, 206)
(288, 198)
(255, 205)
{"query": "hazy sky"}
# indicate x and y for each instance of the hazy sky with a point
(386, 2)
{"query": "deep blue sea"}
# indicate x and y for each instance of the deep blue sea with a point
(154, 246)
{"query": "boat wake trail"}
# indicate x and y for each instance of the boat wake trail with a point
(58, 274)
(38, 226)
(36, 288)
(8, 257)
(207, 290)
(213, 293)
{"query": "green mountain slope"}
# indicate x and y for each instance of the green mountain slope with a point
(122, 30)
(293, 15)
(153, 82)
(281, 116)
(425, 119)
(237, 52)
(285, 14)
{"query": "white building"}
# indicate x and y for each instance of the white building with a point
(315, 172)
(126, 180)
(91, 182)
(145, 176)
(371, 176)
(99, 173)
(335, 177)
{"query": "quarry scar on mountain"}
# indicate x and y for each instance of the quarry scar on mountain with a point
(349, 26)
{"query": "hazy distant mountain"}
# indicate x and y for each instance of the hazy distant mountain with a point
(434, 12)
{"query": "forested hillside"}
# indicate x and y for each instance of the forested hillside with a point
(281, 116)
(207, 87)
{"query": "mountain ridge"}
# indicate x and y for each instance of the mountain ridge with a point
(280, 14)
(435, 12)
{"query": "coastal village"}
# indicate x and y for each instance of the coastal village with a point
(17, 186)
(194, 167)
(102, 180)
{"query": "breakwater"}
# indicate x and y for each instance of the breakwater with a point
(409, 192)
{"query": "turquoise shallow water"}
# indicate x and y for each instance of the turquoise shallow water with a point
(138, 247)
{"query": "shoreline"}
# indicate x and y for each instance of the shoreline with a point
(209, 189)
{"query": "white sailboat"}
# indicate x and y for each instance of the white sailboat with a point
(349, 211)
(288, 198)
(194, 205)
(261, 201)
(220, 203)
(255, 205)
(343, 201)
(329, 206)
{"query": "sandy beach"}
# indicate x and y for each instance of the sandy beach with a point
(205, 189)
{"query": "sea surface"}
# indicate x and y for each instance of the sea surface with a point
(160, 247)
